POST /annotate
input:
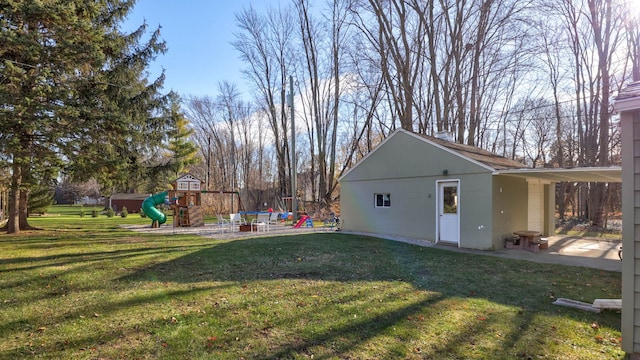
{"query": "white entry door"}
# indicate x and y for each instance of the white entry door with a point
(448, 212)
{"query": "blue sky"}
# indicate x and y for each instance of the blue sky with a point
(198, 34)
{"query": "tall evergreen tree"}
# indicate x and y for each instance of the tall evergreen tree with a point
(184, 152)
(72, 86)
(177, 154)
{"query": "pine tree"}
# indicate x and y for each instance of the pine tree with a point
(128, 114)
(178, 152)
(71, 87)
(40, 199)
(183, 151)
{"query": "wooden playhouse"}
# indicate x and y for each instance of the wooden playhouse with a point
(186, 201)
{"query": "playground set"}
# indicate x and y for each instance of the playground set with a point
(184, 201)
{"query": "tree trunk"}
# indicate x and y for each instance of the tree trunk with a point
(23, 216)
(282, 151)
(478, 49)
(13, 223)
(602, 34)
(336, 104)
(596, 204)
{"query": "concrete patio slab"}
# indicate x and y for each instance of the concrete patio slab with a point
(566, 250)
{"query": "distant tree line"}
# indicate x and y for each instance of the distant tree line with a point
(530, 80)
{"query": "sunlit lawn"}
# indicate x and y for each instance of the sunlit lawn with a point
(85, 289)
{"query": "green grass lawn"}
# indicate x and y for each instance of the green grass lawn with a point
(83, 288)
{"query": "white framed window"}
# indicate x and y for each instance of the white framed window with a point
(382, 200)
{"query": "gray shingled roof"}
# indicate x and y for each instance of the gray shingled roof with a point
(483, 156)
(631, 91)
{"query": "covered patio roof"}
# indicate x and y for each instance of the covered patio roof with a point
(583, 174)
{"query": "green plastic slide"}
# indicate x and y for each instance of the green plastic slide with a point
(149, 207)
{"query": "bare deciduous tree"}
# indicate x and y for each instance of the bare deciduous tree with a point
(264, 44)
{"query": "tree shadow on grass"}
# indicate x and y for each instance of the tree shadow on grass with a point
(391, 285)
(14, 264)
(526, 286)
(95, 335)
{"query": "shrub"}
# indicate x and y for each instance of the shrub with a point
(142, 214)
(110, 212)
(81, 212)
(95, 213)
(124, 212)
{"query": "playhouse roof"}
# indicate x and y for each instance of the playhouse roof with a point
(189, 178)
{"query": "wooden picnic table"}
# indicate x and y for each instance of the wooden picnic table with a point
(526, 239)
